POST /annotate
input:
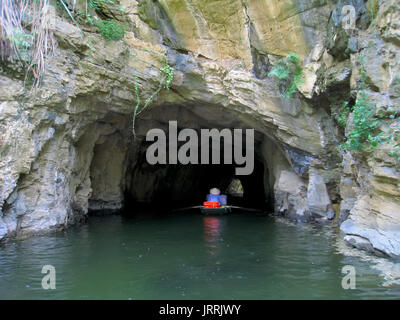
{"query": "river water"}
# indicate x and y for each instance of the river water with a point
(190, 256)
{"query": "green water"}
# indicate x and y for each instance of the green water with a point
(188, 256)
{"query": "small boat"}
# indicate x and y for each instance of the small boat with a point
(217, 211)
(214, 207)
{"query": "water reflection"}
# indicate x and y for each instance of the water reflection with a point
(212, 230)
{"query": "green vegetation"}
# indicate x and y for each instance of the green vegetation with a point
(167, 75)
(22, 41)
(110, 29)
(372, 8)
(364, 133)
(364, 124)
(290, 74)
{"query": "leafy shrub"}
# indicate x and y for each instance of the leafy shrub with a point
(289, 73)
(22, 42)
(110, 29)
(364, 124)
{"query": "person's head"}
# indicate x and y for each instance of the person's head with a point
(215, 191)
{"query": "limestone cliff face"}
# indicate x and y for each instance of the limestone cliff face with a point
(370, 184)
(67, 146)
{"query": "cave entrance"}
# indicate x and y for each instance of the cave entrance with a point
(122, 179)
(170, 186)
(177, 186)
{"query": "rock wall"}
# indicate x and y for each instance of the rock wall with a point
(370, 184)
(67, 147)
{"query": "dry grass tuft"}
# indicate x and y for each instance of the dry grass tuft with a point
(26, 34)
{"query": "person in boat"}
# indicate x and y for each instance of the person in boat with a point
(215, 195)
